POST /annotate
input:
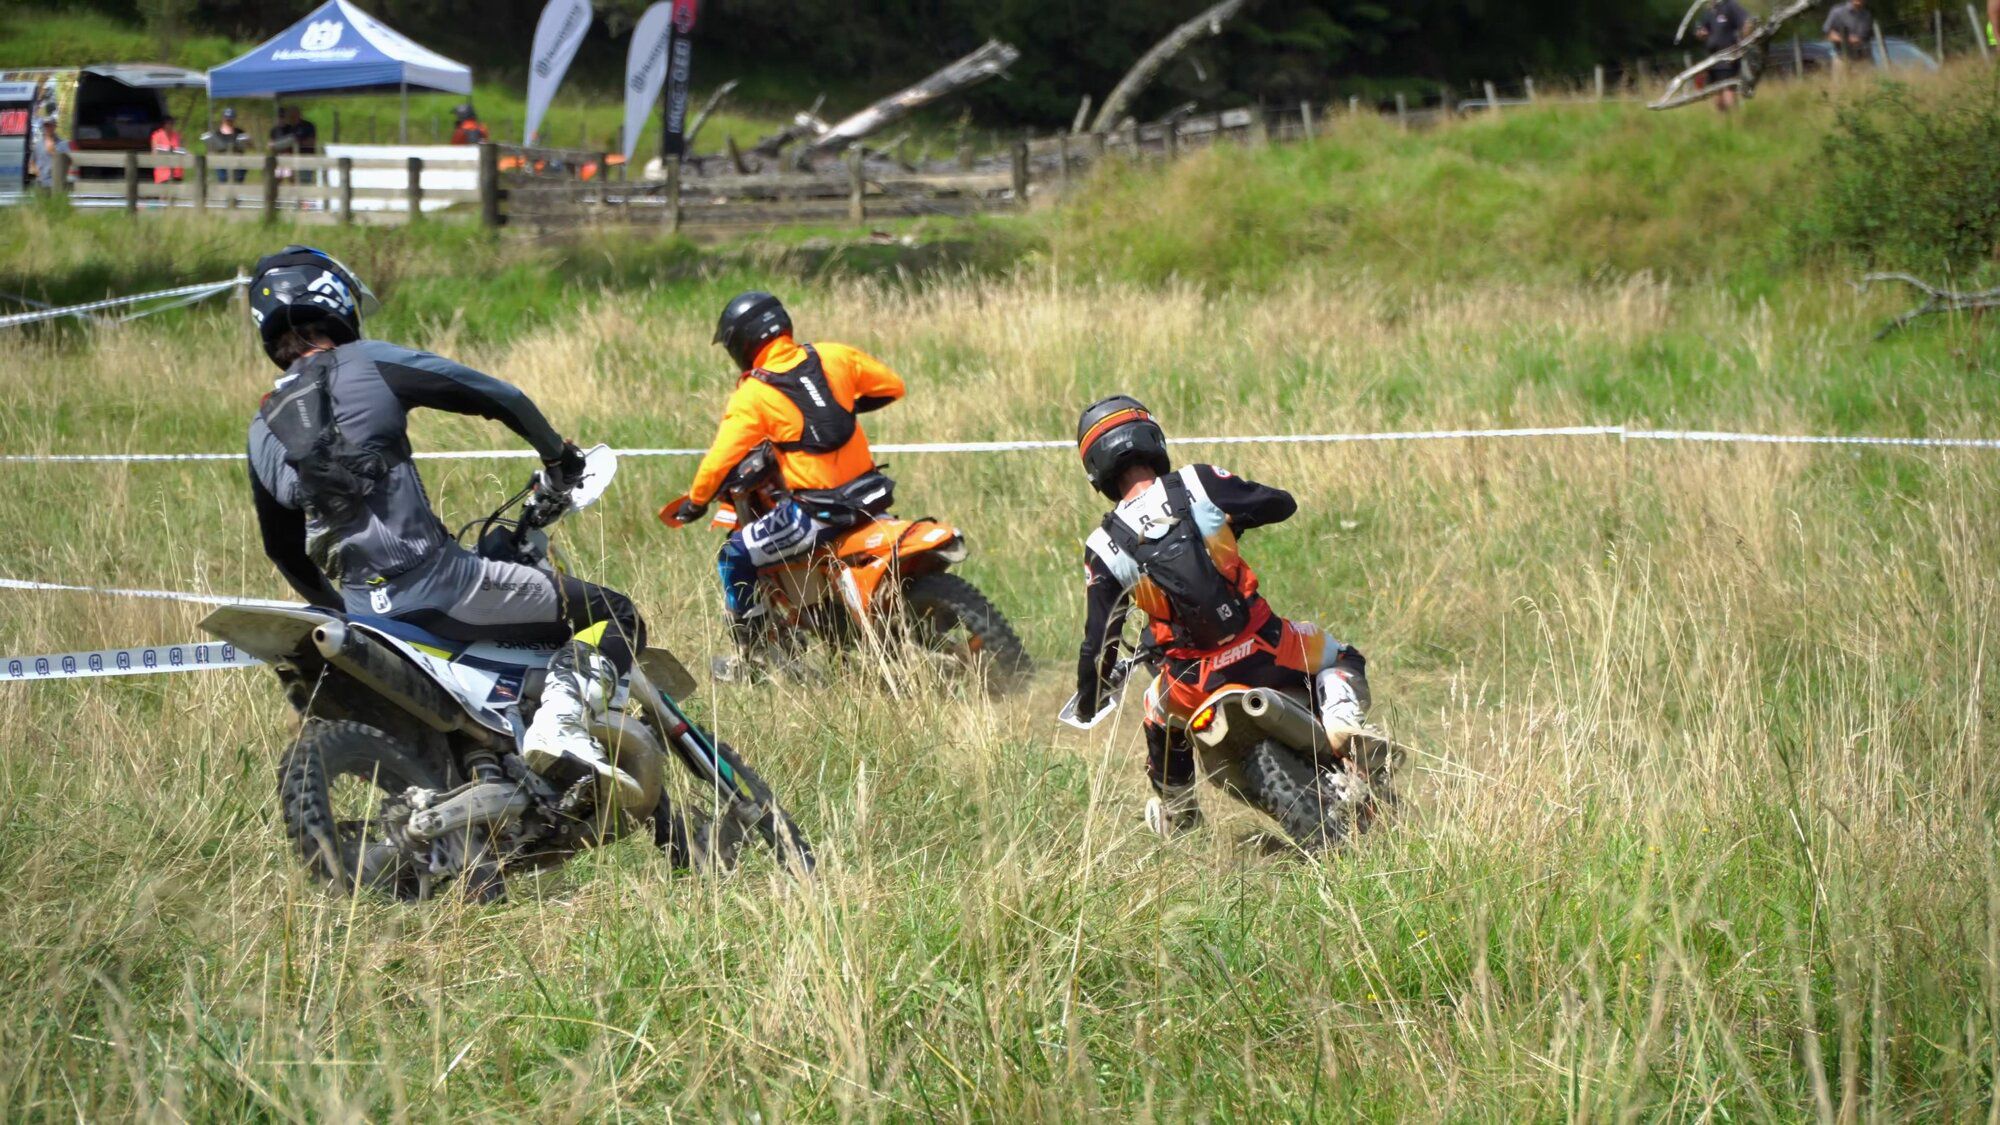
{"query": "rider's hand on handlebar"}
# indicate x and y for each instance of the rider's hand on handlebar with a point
(685, 511)
(565, 469)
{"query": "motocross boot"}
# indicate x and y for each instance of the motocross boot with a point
(1343, 705)
(1173, 812)
(579, 686)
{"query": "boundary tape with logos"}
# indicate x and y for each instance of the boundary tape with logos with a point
(208, 656)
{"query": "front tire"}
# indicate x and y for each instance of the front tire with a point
(949, 615)
(1288, 789)
(332, 787)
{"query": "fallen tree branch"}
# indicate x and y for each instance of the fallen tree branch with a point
(1680, 91)
(1937, 299)
(1207, 23)
(988, 61)
(707, 108)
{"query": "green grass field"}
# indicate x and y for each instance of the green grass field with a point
(1701, 823)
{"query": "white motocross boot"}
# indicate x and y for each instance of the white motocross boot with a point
(1341, 709)
(580, 683)
(1173, 812)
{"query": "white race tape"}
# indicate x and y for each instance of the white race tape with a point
(187, 293)
(161, 595)
(153, 660)
(1807, 439)
(1620, 432)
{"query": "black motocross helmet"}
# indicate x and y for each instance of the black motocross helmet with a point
(749, 321)
(1116, 433)
(301, 289)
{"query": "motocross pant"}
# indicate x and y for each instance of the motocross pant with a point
(779, 535)
(1281, 654)
(462, 597)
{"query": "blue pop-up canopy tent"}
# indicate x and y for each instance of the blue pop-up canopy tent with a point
(338, 49)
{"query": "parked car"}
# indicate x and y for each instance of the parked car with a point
(109, 108)
(1789, 57)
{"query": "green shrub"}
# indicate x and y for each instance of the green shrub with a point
(1914, 182)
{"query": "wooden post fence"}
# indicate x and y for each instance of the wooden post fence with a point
(1062, 156)
(1021, 174)
(1170, 139)
(270, 187)
(416, 188)
(1530, 83)
(1306, 121)
(60, 177)
(857, 189)
(346, 172)
(200, 175)
(1597, 81)
(673, 197)
(131, 182)
(489, 184)
(1492, 99)
(1402, 111)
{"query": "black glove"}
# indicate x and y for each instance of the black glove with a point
(565, 469)
(684, 511)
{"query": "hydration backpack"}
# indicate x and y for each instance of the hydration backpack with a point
(828, 425)
(335, 475)
(1208, 609)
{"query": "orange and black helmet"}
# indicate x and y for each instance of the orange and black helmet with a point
(1116, 433)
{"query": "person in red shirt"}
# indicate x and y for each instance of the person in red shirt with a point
(467, 130)
(167, 139)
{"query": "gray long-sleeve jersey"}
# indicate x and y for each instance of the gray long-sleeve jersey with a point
(373, 388)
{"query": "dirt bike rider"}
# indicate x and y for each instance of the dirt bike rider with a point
(345, 517)
(803, 399)
(1170, 547)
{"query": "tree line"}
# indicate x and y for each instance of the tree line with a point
(1277, 51)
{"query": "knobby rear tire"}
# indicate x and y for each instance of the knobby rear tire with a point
(937, 602)
(325, 751)
(1287, 788)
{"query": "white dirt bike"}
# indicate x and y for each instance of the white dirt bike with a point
(407, 773)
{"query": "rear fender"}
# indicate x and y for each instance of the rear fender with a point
(905, 549)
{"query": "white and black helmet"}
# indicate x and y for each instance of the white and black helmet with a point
(1116, 433)
(301, 289)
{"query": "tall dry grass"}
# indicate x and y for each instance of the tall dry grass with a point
(1701, 818)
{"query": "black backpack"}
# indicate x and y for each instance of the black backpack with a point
(335, 475)
(828, 425)
(1208, 610)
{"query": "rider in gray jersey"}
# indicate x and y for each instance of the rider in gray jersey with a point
(345, 517)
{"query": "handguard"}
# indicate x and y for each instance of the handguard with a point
(1106, 705)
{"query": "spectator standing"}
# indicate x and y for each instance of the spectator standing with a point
(167, 141)
(1721, 28)
(1849, 26)
(229, 139)
(50, 143)
(466, 129)
(294, 135)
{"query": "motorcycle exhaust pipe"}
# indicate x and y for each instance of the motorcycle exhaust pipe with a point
(391, 677)
(489, 803)
(1284, 719)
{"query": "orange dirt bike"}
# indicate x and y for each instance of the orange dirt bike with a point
(1266, 747)
(879, 578)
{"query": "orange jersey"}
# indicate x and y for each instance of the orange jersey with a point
(758, 412)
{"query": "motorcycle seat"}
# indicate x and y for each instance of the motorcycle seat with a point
(414, 634)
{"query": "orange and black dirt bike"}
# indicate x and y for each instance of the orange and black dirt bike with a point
(1267, 748)
(877, 579)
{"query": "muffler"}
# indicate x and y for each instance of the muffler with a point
(388, 675)
(490, 802)
(1285, 719)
